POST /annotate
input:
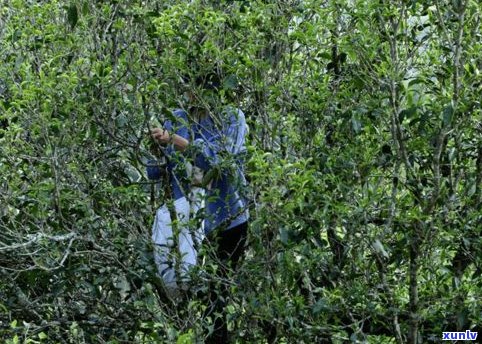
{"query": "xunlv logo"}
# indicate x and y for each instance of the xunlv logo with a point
(467, 335)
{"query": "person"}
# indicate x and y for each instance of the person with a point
(217, 146)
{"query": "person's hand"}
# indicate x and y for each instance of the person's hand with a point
(160, 135)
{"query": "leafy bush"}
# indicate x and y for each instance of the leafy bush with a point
(365, 167)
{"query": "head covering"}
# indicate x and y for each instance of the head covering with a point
(210, 81)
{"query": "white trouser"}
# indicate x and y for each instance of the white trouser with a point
(163, 237)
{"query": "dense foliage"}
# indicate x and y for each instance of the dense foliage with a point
(365, 167)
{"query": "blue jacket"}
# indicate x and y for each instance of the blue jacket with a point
(221, 147)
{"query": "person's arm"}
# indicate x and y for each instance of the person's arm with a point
(231, 140)
(206, 149)
(164, 137)
(174, 130)
(174, 134)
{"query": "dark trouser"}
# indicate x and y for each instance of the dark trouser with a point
(229, 246)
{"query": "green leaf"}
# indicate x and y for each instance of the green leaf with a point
(416, 81)
(407, 113)
(72, 15)
(462, 319)
(3, 308)
(320, 306)
(230, 82)
(85, 8)
(324, 55)
(284, 235)
(186, 338)
(448, 113)
(17, 34)
(378, 246)
(356, 125)
(472, 189)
